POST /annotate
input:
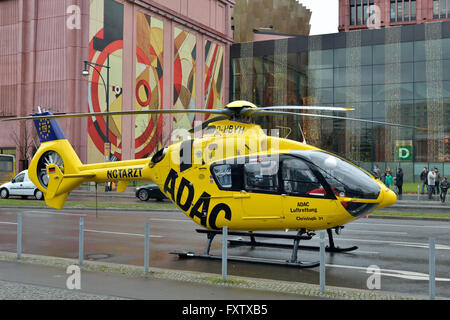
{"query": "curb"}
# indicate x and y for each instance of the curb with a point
(302, 289)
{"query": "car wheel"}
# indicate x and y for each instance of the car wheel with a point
(143, 195)
(38, 195)
(4, 193)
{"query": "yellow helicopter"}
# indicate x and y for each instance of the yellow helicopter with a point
(234, 175)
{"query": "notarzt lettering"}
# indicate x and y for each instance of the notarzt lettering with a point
(124, 173)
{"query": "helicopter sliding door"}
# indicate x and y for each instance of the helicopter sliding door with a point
(262, 204)
(306, 201)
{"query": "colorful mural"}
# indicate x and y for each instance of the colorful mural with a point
(213, 75)
(184, 76)
(149, 83)
(105, 37)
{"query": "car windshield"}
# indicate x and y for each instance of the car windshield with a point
(346, 179)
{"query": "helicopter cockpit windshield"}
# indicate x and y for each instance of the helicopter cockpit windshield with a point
(345, 179)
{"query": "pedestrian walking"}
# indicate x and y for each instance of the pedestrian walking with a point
(444, 188)
(388, 180)
(438, 180)
(376, 172)
(424, 179)
(399, 181)
(431, 183)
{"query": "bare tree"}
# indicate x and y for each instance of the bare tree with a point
(26, 141)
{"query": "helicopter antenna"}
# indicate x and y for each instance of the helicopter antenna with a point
(301, 131)
(290, 130)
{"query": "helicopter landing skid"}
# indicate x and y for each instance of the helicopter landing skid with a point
(293, 262)
(253, 243)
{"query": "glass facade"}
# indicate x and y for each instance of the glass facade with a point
(398, 75)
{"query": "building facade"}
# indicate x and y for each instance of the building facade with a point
(399, 74)
(256, 20)
(360, 14)
(162, 54)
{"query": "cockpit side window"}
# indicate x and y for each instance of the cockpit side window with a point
(228, 176)
(223, 175)
(261, 176)
(299, 180)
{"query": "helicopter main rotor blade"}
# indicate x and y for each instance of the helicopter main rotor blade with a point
(247, 112)
(224, 112)
(274, 113)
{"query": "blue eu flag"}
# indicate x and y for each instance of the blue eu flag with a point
(48, 129)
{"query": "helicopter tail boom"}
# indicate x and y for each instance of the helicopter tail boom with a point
(57, 170)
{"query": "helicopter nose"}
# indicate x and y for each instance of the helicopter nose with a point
(389, 198)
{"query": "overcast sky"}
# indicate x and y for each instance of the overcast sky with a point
(325, 15)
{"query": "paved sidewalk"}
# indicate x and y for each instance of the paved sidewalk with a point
(38, 277)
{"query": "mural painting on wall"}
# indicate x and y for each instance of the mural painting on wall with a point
(149, 84)
(105, 37)
(213, 75)
(185, 48)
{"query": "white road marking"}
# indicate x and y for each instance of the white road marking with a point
(409, 275)
(400, 225)
(121, 233)
(172, 220)
(375, 232)
(56, 213)
(8, 223)
(400, 243)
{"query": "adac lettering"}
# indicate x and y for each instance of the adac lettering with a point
(201, 208)
(124, 173)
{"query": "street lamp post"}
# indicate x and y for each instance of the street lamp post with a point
(87, 64)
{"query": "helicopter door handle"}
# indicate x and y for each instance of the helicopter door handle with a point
(241, 195)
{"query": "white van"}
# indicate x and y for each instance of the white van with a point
(21, 185)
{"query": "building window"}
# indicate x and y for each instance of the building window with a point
(435, 9)
(404, 10)
(352, 12)
(399, 11)
(359, 11)
(393, 11)
(443, 9)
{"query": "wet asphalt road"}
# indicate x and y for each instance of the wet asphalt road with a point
(398, 247)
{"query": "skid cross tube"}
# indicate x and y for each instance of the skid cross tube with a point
(253, 243)
(292, 262)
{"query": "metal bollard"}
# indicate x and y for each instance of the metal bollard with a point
(146, 253)
(322, 261)
(418, 192)
(81, 243)
(224, 252)
(432, 269)
(19, 235)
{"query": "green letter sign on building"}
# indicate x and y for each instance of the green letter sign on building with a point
(403, 153)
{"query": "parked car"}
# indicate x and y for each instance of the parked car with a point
(150, 191)
(20, 185)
